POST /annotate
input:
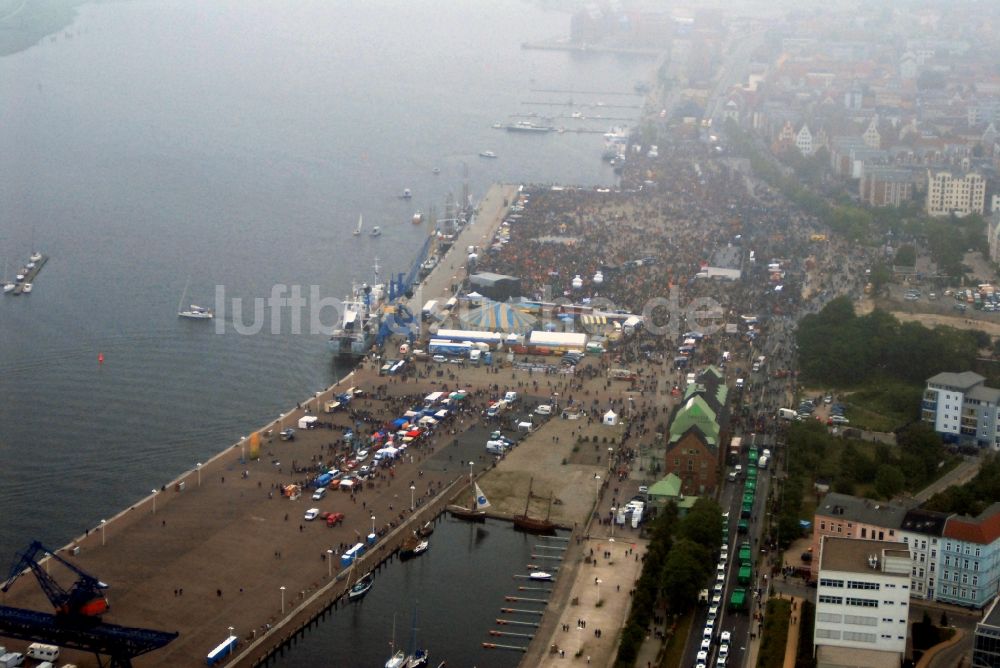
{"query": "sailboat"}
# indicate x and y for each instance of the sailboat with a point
(476, 513)
(361, 222)
(530, 524)
(417, 658)
(361, 587)
(194, 311)
(8, 287)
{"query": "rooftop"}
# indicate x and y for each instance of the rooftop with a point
(983, 393)
(983, 529)
(865, 511)
(852, 555)
(962, 381)
(854, 656)
(928, 522)
(992, 616)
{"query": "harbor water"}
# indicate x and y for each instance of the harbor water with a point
(165, 152)
(457, 589)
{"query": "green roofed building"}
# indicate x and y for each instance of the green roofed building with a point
(669, 490)
(697, 431)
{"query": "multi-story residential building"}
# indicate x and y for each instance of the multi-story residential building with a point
(962, 408)
(970, 559)
(841, 515)
(885, 186)
(921, 531)
(986, 645)
(951, 193)
(862, 602)
(845, 516)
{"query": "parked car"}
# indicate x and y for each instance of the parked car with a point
(311, 514)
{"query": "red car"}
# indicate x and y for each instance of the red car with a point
(333, 519)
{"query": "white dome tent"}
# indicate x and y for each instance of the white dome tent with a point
(610, 419)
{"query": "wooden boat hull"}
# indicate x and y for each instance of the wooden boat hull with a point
(463, 513)
(532, 525)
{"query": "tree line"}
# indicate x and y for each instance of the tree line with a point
(679, 560)
(837, 348)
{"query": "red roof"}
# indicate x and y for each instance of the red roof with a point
(983, 530)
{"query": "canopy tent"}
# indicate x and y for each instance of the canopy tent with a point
(498, 317)
(610, 418)
(427, 419)
(398, 423)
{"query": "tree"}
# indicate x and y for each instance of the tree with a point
(684, 572)
(889, 481)
(906, 256)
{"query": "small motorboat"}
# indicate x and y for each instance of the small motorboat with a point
(498, 126)
(436, 170)
(417, 218)
(27, 288)
(361, 223)
(541, 576)
(9, 287)
(35, 257)
(376, 232)
(406, 194)
(487, 154)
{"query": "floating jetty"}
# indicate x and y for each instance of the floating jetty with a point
(29, 277)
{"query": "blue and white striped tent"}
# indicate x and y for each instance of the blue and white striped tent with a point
(498, 317)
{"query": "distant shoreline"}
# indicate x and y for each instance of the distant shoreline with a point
(25, 23)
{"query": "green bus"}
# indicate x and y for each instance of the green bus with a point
(738, 600)
(744, 574)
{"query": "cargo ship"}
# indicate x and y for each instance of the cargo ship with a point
(361, 319)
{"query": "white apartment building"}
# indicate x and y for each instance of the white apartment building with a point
(960, 194)
(962, 409)
(862, 602)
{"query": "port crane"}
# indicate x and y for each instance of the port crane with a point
(76, 622)
(85, 598)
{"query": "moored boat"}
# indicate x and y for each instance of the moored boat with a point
(413, 546)
(528, 126)
(376, 232)
(361, 222)
(361, 587)
(529, 524)
(476, 513)
(487, 154)
(541, 576)
(26, 288)
(360, 321)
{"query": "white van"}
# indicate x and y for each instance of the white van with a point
(12, 660)
(544, 409)
(43, 652)
(786, 414)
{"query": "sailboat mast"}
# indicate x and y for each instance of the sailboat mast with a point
(528, 500)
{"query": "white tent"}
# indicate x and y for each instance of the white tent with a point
(610, 418)
(307, 422)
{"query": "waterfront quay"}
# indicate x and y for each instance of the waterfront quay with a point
(219, 549)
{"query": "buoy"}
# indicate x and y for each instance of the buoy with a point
(100, 358)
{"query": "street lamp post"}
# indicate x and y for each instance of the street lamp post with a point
(231, 629)
(103, 524)
(243, 449)
(198, 466)
(373, 523)
(611, 452)
(471, 464)
(154, 501)
(597, 581)
(412, 500)
(282, 599)
(329, 563)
